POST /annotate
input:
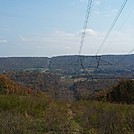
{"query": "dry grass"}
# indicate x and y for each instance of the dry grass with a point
(42, 115)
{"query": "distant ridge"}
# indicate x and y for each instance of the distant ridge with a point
(68, 64)
(21, 63)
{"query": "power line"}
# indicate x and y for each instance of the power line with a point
(126, 19)
(98, 58)
(85, 25)
(121, 59)
(112, 26)
(89, 6)
(129, 52)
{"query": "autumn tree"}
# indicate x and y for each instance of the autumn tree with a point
(123, 92)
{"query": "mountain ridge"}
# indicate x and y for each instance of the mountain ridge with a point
(69, 64)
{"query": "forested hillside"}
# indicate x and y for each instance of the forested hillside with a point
(70, 65)
(23, 63)
(109, 64)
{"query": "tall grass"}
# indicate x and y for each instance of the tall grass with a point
(42, 115)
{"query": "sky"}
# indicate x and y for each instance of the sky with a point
(53, 27)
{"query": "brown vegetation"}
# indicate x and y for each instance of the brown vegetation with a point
(122, 93)
(8, 86)
(25, 111)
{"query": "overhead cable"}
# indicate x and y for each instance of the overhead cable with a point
(112, 26)
(85, 25)
(98, 58)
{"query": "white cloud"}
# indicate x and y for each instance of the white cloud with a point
(62, 43)
(97, 2)
(96, 13)
(23, 39)
(90, 32)
(3, 41)
(65, 34)
(68, 47)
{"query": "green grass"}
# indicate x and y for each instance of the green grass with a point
(42, 115)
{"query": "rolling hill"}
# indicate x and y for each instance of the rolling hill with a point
(70, 65)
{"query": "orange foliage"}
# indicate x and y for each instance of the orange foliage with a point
(8, 86)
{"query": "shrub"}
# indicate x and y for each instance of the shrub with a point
(123, 92)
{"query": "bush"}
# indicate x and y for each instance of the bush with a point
(123, 92)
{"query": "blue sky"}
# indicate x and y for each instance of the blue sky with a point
(53, 27)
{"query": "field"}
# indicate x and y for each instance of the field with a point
(32, 114)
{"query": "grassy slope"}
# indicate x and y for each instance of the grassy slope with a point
(23, 112)
(41, 115)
